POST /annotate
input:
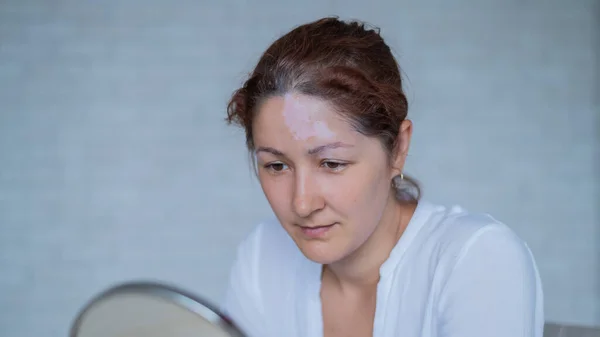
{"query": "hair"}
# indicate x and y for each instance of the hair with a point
(344, 63)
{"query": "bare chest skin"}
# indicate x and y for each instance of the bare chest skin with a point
(347, 315)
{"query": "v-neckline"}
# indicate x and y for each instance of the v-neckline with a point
(312, 291)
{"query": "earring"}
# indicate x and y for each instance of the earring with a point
(397, 180)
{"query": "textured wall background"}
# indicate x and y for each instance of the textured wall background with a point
(115, 162)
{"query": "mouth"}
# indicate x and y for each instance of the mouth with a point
(317, 231)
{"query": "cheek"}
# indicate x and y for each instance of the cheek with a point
(276, 192)
(360, 198)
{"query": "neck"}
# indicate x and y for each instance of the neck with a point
(360, 270)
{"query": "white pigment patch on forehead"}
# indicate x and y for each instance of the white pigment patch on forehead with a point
(299, 116)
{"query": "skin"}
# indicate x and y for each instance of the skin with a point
(316, 170)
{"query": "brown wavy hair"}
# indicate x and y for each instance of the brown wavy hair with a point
(347, 64)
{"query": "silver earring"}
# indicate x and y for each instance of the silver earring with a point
(397, 181)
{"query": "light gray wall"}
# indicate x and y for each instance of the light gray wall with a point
(115, 163)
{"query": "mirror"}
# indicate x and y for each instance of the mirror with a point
(146, 309)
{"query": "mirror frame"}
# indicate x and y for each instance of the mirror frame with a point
(168, 293)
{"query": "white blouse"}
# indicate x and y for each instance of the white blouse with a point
(451, 274)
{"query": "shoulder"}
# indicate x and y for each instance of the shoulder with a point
(263, 266)
(477, 249)
(486, 274)
(268, 254)
(457, 232)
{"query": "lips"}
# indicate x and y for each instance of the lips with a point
(317, 231)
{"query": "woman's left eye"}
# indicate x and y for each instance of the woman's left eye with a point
(334, 165)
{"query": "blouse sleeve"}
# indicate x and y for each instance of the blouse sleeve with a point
(242, 303)
(494, 289)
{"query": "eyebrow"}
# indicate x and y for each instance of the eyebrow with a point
(313, 151)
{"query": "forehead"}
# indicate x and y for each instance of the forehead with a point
(300, 118)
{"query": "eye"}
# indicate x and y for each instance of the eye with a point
(334, 165)
(276, 167)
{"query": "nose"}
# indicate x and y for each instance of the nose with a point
(307, 196)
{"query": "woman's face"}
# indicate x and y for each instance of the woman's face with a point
(327, 184)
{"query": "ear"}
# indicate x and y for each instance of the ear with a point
(401, 148)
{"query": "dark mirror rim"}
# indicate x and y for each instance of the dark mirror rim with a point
(168, 292)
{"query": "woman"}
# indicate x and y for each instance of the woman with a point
(352, 249)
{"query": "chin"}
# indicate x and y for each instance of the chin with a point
(320, 252)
